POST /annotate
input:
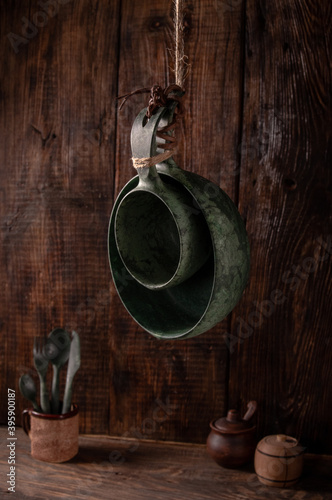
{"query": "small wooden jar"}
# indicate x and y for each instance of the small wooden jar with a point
(278, 461)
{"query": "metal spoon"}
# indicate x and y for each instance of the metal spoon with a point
(29, 391)
(57, 350)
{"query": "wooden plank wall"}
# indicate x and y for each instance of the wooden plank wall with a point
(257, 123)
(283, 353)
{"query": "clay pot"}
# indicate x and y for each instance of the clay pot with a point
(54, 438)
(279, 461)
(231, 442)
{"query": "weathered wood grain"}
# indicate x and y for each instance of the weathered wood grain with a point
(108, 468)
(257, 123)
(281, 351)
(57, 147)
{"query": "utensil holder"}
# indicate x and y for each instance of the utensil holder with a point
(54, 438)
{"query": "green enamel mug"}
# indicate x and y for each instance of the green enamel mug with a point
(197, 303)
(161, 235)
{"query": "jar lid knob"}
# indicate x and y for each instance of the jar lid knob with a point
(233, 416)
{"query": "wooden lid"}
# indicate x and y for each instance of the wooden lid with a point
(233, 423)
(280, 445)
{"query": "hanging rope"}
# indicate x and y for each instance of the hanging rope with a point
(180, 58)
(160, 97)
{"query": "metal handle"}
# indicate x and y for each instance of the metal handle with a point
(149, 179)
(55, 403)
(44, 397)
(144, 134)
(26, 421)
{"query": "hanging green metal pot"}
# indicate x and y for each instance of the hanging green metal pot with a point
(196, 302)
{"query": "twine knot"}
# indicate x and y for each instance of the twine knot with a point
(152, 160)
(159, 98)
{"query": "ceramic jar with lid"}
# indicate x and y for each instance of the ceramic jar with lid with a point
(231, 442)
(279, 460)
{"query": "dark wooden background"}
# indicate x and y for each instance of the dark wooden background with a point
(257, 123)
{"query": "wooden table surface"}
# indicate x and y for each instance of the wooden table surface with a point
(107, 468)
